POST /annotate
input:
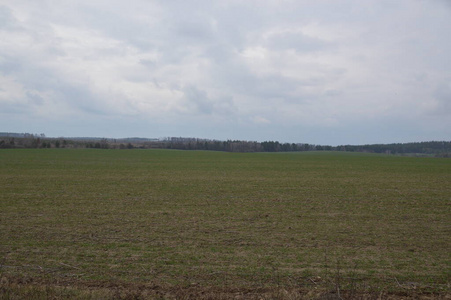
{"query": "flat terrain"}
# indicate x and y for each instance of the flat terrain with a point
(174, 224)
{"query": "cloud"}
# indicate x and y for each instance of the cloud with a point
(442, 96)
(260, 120)
(233, 67)
(294, 39)
(197, 101)
(7, 20)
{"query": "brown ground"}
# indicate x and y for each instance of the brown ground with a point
(28, 288)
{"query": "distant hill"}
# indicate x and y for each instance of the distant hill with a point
(20, 135)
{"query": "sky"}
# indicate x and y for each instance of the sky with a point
(327, 72)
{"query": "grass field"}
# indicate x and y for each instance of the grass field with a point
(175, 224)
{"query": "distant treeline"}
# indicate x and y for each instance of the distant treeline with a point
(438, 148)
(26, 140)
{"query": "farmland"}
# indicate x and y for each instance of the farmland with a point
(96, 223)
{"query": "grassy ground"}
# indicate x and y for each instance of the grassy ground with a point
(161, 223)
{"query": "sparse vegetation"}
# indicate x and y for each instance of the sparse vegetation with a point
(93, 224)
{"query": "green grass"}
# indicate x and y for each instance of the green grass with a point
(225, 220)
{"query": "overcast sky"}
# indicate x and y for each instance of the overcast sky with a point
(322, 72)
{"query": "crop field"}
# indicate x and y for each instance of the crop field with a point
(100, 224)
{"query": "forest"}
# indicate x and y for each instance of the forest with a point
(27, 140)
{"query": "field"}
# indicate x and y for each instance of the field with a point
(92, 223)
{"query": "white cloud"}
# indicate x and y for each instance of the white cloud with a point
(260, 120)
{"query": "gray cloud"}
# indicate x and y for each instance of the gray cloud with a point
(442, 95)
(199, 101)
(7, 20)
(296, 41)
(290, 71)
